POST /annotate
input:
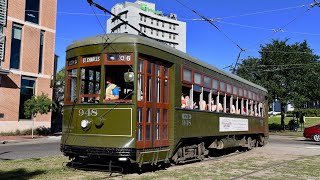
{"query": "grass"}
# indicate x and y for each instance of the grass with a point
(276, 120)
(247, 167)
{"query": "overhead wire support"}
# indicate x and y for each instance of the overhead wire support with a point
(316, 3)
(116, 16)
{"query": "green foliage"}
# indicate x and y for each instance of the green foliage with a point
(59, 90)
(307, 112)
(290, 72)
(38, 105)
(42, 131)
(275, 127)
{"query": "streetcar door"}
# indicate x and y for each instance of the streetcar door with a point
(153, 104)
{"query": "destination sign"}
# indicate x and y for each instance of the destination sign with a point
(119, 57)
(90, 59)
(72, 62)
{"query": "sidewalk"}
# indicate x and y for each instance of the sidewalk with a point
(27, 138)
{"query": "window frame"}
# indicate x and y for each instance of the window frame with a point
(34, 11)
(210, 81)
(42, 39)
(201, 78)
(19, 27)
(182, 75)
(21, 104)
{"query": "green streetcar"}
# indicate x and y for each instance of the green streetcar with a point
(171, 107)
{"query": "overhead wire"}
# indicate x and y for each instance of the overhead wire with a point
(263, 12)
(288, 23)
(268, 29)
(210, 21)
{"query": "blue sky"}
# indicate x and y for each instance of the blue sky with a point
(247, 23)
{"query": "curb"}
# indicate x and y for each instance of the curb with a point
(29, 140)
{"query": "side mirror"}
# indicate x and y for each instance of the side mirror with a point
(128, 77)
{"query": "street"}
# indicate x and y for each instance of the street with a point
(30, 149)
(51, 147)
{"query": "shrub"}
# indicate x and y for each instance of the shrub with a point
(42, 131)
(275, 127)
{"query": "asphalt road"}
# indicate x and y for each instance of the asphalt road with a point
(31, 149)
(51, 147)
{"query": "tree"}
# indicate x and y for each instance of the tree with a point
(37, 105)
(58, 98)
(290, 73)
(59, 90)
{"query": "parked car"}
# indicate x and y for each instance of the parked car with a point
(312, 132)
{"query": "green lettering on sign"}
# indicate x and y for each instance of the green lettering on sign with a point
(144, 7)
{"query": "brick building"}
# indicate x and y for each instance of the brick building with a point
(27, 41)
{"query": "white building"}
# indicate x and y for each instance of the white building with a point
(144, 16)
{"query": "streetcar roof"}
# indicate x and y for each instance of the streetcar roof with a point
(136, 39)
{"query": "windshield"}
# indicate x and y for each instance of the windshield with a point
(105, 87)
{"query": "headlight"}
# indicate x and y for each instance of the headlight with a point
(85, 123)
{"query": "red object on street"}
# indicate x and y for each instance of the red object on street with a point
(312, 132)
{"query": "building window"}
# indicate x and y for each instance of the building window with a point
(162, 34)
(169, 36)
(151, 31)
(162, 24)
(26, 92)
(157, 23)
(15, 46)
(141, 18)
(41, 52)
(32, 11)
(145, 18)
(144, 29)
(151, 21)
(173, 36)
(174, 27)
(125, 16)
(157, 33)
(169, 26)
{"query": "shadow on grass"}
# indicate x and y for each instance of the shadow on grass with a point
(20, 174)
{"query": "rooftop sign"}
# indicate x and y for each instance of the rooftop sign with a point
(145, 7)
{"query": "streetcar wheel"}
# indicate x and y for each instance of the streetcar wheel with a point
(316, 137)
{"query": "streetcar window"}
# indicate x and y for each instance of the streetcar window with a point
(166, 91)
(139, 125)
(206, 81)
(158, 91)
(185, 97)
(240, 92)
(71, 85)
(125, 89)
(222, 86)
(235, 90)
(197, 78)
(245, 93)
(228, 104)
(165, 124)
(205, 100)
(90, 84)
(214, 84)
(228, 88)
(187, 75)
